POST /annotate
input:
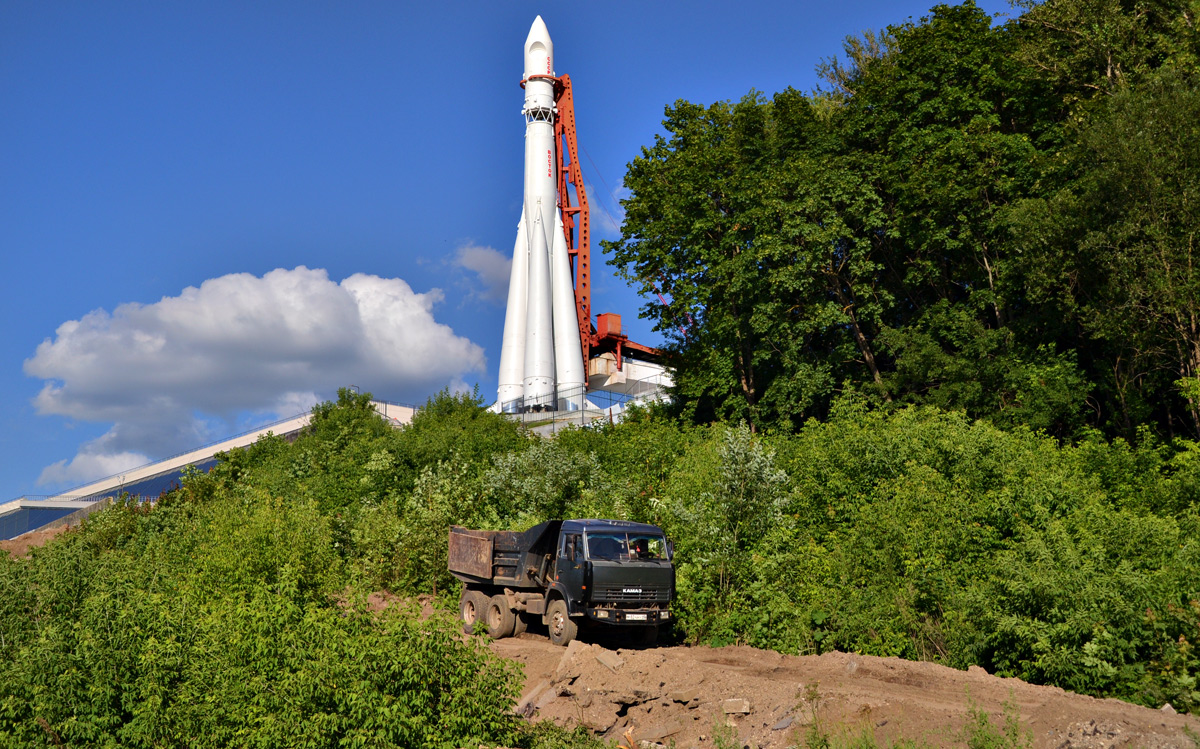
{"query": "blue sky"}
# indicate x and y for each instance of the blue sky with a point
(212, 213)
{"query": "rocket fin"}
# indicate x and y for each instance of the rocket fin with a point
(512, 348)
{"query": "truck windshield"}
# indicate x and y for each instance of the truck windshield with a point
(625, 546)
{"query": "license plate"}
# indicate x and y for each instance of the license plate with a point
(636, 617)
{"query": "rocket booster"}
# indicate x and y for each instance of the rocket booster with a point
(541, 358)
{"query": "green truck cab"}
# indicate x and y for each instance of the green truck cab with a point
(605, 573)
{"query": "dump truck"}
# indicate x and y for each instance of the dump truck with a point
(565, 574)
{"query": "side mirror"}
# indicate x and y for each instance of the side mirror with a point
(670, 550)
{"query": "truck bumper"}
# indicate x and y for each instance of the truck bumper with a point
(611, 615)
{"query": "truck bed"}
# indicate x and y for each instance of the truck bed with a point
(506, 558)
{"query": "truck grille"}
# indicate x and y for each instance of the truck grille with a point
(604, 593)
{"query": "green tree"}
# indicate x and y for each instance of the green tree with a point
(1117, 247)
(951, 358)
(1088, 47)
(807, 241)
(765, 248)
(689, 232)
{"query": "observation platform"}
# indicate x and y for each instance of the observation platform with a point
(611, 390)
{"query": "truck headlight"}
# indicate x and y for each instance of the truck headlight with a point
(601, 614)
(664, 614)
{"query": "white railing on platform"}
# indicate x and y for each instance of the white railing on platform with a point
(580, 407)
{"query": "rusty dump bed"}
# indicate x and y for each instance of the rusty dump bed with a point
(515, 559)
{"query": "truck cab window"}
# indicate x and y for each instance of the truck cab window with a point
(647, 547)
(607, 546)
(571, 547)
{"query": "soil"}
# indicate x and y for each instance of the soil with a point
(20, 546)
(649, 697)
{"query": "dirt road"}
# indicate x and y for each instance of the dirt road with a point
(684, 694)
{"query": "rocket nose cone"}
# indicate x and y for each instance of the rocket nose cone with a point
(539, 50)
(538, 32)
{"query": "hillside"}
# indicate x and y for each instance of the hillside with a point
(241, 603)
(682, 694)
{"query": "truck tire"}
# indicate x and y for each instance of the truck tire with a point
(500, 618)
(520, 624)
(562, 628)
(470, 609)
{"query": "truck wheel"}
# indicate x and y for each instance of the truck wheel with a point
(499, 617)
(520, 624)
(562, 628)
(470, 609)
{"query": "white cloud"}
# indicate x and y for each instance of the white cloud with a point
(607, 213)
(160, 373)
(294, 404)
(492, 268)
(87, 466)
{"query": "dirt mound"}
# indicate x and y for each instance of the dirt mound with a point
(685, 694)
(20, 546)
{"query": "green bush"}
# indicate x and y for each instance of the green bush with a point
(225, 618)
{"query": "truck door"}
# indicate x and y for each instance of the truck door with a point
(569, 573)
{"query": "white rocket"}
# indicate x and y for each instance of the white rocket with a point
(541, 358)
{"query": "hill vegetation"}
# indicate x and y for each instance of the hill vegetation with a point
(234, 612)
(935, 331)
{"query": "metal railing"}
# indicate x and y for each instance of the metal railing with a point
(64, 497)
(580, 407)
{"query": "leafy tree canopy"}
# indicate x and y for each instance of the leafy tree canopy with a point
(971, 214)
